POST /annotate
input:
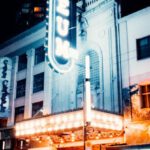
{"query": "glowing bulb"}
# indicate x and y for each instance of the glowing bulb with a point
(37, 123)
(22, 132)
(26, 125)
(78, 116)
(71, 118)
(17, 133)
(27, 140)
(51, 120)
(61, 140)
(62, 26)
(17, 127)
(58, 120)
(43, 122)
(62, 48)
(62, 7)
(64, 119)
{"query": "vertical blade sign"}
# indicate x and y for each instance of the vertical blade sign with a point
(5, 78)
(58, 37)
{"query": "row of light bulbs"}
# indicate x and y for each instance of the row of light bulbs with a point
(106, 117)
(54, 120)
(33, 130)
(62, 122)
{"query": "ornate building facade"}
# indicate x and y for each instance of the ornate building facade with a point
(47, 108)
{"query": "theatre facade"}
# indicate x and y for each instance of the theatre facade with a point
(54, 99)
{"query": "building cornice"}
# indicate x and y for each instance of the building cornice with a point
(16, 42)
(135, 14)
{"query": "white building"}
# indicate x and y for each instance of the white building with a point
(100, 45)
(134, 45)
(36, 90)
(135, 60)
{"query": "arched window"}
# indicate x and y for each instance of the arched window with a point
(95, 78)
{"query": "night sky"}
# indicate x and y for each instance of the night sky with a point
(129, 6)
(8, 11)
(7, 19)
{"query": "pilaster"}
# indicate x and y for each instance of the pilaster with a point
(29, 84)
(11, 118)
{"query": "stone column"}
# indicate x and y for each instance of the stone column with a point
(13, 91)
(29, 84)
(47, 102)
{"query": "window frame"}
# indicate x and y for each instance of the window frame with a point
(22, 108)
(17, 95)
(35, 82)
(140, 48)
(33, 105)
(38, 51)
(22, 66)
(145, 95)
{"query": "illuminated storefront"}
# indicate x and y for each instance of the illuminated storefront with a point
(48, 112)
(66, 130)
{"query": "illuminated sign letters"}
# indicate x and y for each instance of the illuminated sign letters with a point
(58, 47)
(5, 77)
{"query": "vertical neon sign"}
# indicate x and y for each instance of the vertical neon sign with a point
(5, 80)
(58, 45)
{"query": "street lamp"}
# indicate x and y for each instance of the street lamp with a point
(87, 99)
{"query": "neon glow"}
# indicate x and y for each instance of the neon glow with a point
(87, 90)
(59, 52)
(62, 48)
(62, 26)
(62, 7)
(62, 45)
(71, 120)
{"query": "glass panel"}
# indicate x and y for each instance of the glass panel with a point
(19, 113)
(36, 107)
(143, 89)
(143, 42)
(148, 100)
(144, 101)
(39, 55)
(22, 63)
(148, 88)
(143, 47)
(144, 52)
(38, 84)
(20, 91)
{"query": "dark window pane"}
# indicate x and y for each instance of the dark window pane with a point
(36, 107)
(39, 55)
(143, 42)
(19, 113)
(38, 83)
(143, 47)
(22, 64)
(20, 91)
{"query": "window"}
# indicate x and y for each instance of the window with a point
(22, 63)
(20, 91)
(38, 83)
(36, 107)
(145, 95)
(39, 55)
(39, 9)
(143, 48)
(96, 80)
(19, 113)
